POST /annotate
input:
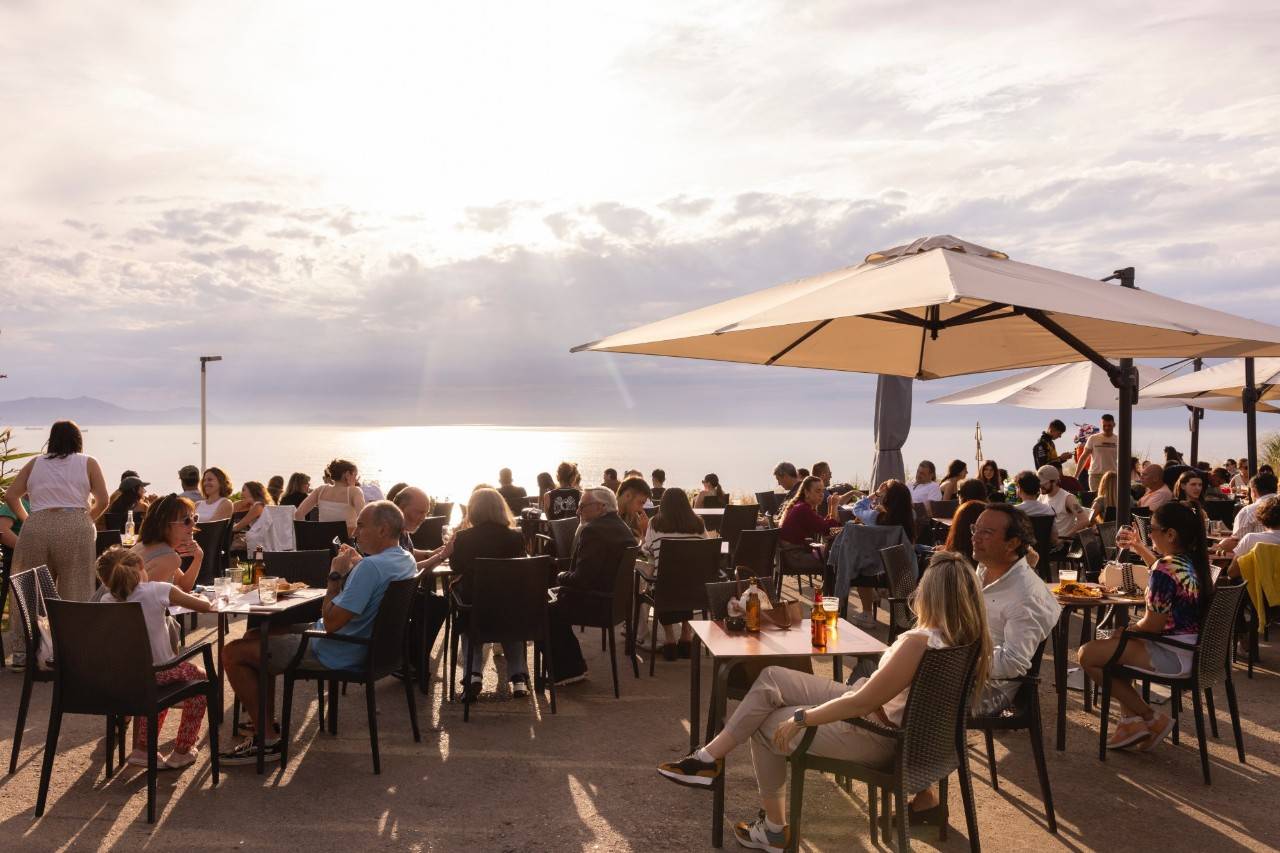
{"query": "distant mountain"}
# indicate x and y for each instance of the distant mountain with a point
(86, 411)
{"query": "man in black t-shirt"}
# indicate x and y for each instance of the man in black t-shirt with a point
(513, 495)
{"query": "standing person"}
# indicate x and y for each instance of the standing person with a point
(1178, 594)
(950, 484)
(275, 488)
(297, 489)
(611, 481)
(783, 702)
(215, 500)
(633, 494)
(1101, 453)
(67, 493)
(514, 495)
(926, 488)
(189, 478)
(989, 477)
(340, 502)
(128, 581)
(711, 496)
(658, 480)
(1045, 452)
(562, 501)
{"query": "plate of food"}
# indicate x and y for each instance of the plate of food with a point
(1076, 591)
(283, 587)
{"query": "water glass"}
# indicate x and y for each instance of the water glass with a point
(267, 591)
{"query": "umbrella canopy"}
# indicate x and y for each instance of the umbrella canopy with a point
(944, 312)
(1226, 380)
(1083, 385)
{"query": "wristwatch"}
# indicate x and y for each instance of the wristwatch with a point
(335, 575)
(798, 717)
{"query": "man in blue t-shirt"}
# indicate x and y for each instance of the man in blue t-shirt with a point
(352, 598)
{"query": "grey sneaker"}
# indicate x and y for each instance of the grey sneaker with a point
(756, 836)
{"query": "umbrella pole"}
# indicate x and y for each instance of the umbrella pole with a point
(1128, 392)
(1250, 400)
(1196, 416)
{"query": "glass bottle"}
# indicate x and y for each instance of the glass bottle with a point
(818, 620)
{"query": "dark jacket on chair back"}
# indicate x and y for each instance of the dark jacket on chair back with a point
(596, 553)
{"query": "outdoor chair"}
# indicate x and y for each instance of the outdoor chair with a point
(902, 571)
(1042, 526)
(743, 673)
(769, 502)
(924, 525)
(1210, 664)
(443, 510)
(943, 510)
(607, 610)
(105, 539)
(117, 520)
(317, 535)
(430, 533)
(1223, 511)
(28, 589)
(509, 605)
(798, 561)
(684, 569)
(117, 680)
(1022, 714)
(757, 552)
(309, 567)
(736, 519)
(929, 745)
(557, 542)
(214, 538)
(1107, 534)
(385, 653)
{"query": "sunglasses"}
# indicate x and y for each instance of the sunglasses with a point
(186, 520)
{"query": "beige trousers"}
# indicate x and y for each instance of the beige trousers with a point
(63, 540)
(774, 697)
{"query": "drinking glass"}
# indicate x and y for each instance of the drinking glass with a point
(831, 606)
(1068, 575)
(267, 590)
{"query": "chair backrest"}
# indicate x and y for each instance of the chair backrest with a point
(1213, 650)
(1043, 527)
(443, 509)
(1107, 533)
(718, 595)
(758, 551)
(509, 599)
(624, 585)
(924, 524)
(1143, 525)
(314, 535)
(901, 568)
(943, 509)
(214, 538)
(25, 587)
(685, 567)
(237, 517)
(387, 642)
(430, 533)
(1092, 552)
(106, 539)
(1224, 511)
(736, 519)
(933, 722)
(117, 520)
(96, 677)
(562, 532)
(309, 567)
(769, 502)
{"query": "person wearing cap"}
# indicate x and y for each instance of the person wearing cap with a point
(132, 495)
(1069, 516)
(189, 477)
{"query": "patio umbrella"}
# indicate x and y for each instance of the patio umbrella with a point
(1237, 385)
(1082, 385)
(944, 307)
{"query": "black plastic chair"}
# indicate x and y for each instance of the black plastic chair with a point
(1042, 526)
(385, 653)
(685, 567)
(430, 533)
(607, 610)
(509, 605)
(1223, 511)
(928, 747)
(1210, 665)
(1107, 534)
(924, 525)
(317, 535)
(757, 553)
(309, 567)
(769, 502)
(117, 679)
(557, 542)
(117, 520)
(28, 587)
(443, 510)
(1022, 714)
(105, 539)
(735, 520)
(902, 572)
(943, 510)
(214, 538)
(1093, 556)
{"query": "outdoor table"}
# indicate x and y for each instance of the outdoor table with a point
(284, 611)
(1086, 608)
(730, 647)
(710, 510)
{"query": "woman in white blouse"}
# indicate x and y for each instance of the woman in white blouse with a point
(215, 488)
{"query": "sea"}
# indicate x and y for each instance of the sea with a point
(450, 461)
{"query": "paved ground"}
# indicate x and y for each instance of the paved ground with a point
(517, 778)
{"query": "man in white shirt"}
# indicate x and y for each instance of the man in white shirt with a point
(1261, 488)
(1101, 452)
(1158, 494)
(926, 487)
(1020, 609)
(1069, 516)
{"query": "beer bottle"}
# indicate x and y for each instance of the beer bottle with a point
(259, 566)
(818, 620)
(752, 596)
(129, 537)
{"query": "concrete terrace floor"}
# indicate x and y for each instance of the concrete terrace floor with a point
(516, 778)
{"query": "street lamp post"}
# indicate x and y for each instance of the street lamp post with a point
(204, 361)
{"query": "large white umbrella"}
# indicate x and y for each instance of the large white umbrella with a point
(1082, 385)
(1236, 385)
(943, 307)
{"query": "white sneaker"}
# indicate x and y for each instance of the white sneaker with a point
(177, 760)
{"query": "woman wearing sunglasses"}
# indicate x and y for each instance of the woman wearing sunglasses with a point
(167, 539)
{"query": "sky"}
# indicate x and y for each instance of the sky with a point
(408, 213)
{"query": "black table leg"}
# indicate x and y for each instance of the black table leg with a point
(260, 730)
(1060, 668)
(695, 690)
(1086, 626)
(715, 722)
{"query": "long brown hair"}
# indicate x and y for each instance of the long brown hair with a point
(675, 515)
(895, 508)
(960, 536)
(155, 524)
(949, 598)
(798, 497)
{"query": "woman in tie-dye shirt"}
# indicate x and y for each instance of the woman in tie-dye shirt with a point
(1178, 592)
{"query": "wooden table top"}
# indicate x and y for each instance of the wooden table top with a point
(774, 642)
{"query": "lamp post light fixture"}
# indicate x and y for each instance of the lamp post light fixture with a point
(204, 361)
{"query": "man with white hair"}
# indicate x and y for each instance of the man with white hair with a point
(598, 547)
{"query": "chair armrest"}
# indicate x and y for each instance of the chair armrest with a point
(314, 634)
(651, 578)
(185, 654)
(874, 727)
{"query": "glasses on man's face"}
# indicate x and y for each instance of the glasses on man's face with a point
(186, 521)
(977, 532)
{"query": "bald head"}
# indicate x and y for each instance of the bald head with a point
(415, 505)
